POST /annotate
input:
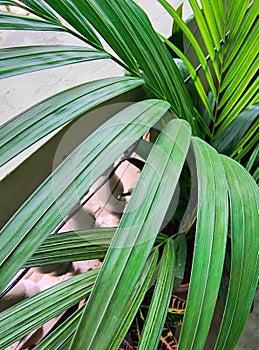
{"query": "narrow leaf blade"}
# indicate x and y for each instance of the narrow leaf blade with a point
(209, 248)
(22, 318)
(244, 205)
(20, 60)
(10, 21)
(133, 239)
(56, 196)
(38, 121)
(160, 301)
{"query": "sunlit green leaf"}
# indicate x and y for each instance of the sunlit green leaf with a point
(237, 12)
(233, 46)
(195, 78)
(193, 41)
(226, 117)
(204, 28)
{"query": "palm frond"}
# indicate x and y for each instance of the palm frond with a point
(20, 319)
(134, 238)
(56, 197)
(48, 115)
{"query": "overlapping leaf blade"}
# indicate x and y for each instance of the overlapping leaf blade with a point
(240, 74)
(48, 115)
(233, 133)
(63, 334)
(233, 46)
(128, 31)
(84, 245)
(243, 102)
(135, 299)
(65, 331)
(206, 33)
(247, 143)
(26, 59)
(209, 247)
(195, 77)
(10, 21)
(236, 65)
(244, 204)
(160, 301)
(60, 192)
(75, 17)
(133, 239)
(245, 76)
(103, 22)
(237, 90)
(37, 7)
(217, 19)
(236, 13)
(22, 318)
(194, 43)
(73, 246)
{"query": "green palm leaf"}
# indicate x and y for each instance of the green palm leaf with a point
(209, 248)
(95, 15)
(10, 21)
(128, 31)
(74, 15)
(20, 60)
(205, 28)
(62, 336)
(194, 43)
(235, 64)
(20, 319)
(38, 121)
(215, 21)
(37, 7)
(160, 301)
(135, 299)
(234, 132)
(248, 22)
(56, 197)
(244, 204)
(195, 77)
(227, 194)
(133, 239)
(73, 246)
(236, 13)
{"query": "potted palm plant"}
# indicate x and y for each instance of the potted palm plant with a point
(205, 154)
